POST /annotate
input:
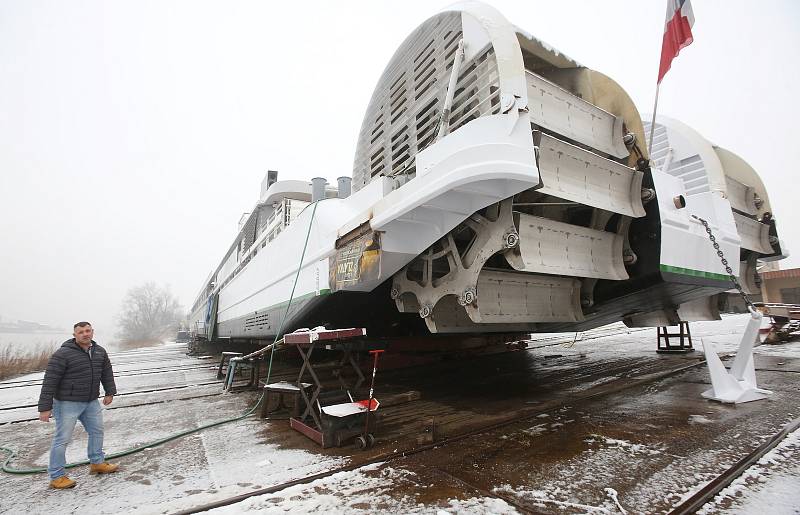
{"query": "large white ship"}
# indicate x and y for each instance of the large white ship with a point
(498, 188)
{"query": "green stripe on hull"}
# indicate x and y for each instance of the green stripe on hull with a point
(694, 273)
(279, 305)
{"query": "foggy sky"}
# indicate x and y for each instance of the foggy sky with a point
(134, 134)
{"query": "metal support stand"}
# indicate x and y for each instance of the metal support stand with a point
(282, 395)
(330, 417)
(225, 362)
(684, 336)
(309, 402)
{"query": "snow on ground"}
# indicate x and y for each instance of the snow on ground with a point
(135, 370)
(368, 489)
(769, 486)
(192, 470)
(543, 499)
(250, 454)
(625, 445)
(725, 334)
(215, 463)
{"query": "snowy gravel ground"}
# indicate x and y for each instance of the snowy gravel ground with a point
(573, 460)
(771, 486)
(217, 462)
(369, 489)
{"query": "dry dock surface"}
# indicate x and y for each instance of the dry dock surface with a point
(604, 425)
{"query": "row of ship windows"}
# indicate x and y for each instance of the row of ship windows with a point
(273, 234)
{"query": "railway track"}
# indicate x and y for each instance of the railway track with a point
(719, 483)
(548, 341)
(537, 343)
(135, 392)
(688, 506)
(133, 405)
(118, 365)
(38, 382)
(627, 377)
(277, 377)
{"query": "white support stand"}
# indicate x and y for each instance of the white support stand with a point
(739, 383)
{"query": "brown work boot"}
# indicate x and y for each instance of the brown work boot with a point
(103, 468)
(62, 482)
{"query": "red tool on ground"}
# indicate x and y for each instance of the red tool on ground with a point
(367, 439)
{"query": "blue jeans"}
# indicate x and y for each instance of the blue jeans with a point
(66, 414)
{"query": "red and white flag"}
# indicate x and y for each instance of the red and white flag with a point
(677, 33)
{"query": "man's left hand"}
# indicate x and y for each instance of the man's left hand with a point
(107, 400)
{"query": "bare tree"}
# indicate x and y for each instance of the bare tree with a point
(149, 312)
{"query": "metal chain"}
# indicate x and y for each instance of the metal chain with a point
(724, 261)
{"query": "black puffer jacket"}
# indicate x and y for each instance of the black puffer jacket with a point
(73, 376)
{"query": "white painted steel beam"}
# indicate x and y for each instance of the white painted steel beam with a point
(492, 235)
(513, 297)
(747, 276)
(703, 308)
(450, 317)
(558, 110)
(559, 248)
(741, 196)
(572, 173)
(754, 234)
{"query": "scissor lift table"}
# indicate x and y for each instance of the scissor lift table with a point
(332, 417)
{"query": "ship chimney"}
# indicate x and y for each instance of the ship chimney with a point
(344, 186)
(318, 188)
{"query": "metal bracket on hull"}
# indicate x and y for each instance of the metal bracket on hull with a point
(469, 296)
(452, 291)
(742, 197)
(450, 317)
(738, 384)
(747, 275)
(754, 234)
(513, 297)
(551, 247)
(575, 174)
(492, 233)
(701, 308)
(558, 110)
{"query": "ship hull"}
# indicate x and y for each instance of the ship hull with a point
(499, 188)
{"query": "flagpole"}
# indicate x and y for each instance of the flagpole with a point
(653, 123)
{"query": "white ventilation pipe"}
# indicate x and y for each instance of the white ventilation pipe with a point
(318, 188)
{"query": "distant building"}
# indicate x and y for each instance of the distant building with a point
(781, 286)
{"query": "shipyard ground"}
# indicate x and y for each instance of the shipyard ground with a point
(598, 426)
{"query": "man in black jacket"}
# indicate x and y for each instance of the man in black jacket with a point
(69, 393)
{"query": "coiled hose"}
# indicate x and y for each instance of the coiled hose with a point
(12, 454)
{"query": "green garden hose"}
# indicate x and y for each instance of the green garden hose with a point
(126, 452)
(12, 454)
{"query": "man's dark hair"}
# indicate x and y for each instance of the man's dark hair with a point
(81, 324)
